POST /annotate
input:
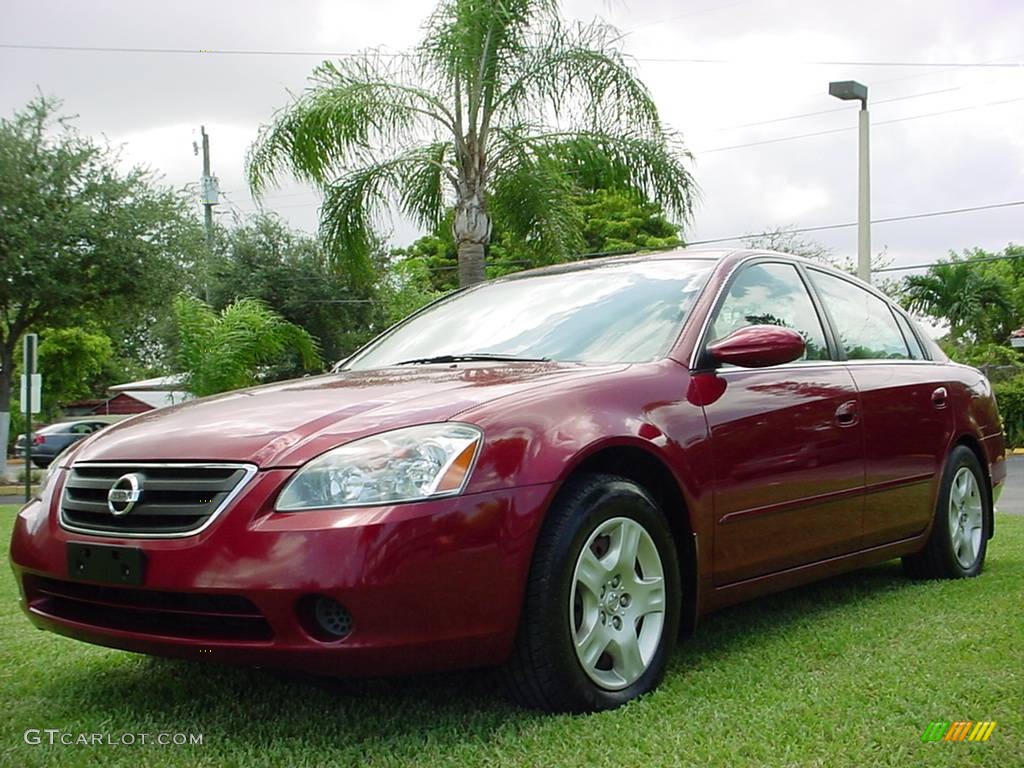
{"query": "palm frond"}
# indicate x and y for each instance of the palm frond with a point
(532, 199)
(578, 73)
(223, 352)
(413, 179)
(654, 166)
(349, 105)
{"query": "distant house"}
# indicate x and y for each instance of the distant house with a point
(133, 397)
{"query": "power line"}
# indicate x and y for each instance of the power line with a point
(837, 109)
(877, 83)
(196, 51)
(656, 60)
(824, 227)
(924, 64)
(954, 261)
(853, 127)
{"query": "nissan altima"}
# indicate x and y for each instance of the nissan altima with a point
(555, 473)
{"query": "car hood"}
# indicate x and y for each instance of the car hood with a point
(286, 424)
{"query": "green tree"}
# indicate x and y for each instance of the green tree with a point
(974, 302)
(262, 258)
(80, 238)
(223, 351)
(405, 288)
(74, 362)
(503, 112)
(619, 220)
(614, 221)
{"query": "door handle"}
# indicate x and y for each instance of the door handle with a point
(940, 398)
(846, 414)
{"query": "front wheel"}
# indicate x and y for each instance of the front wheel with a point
(603, 600)
(959, 539)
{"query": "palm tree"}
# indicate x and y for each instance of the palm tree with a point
(959, 293)
(223, 351)
(502, 112)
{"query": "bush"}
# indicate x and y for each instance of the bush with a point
(980, 355)
(1010, 396)
(37, 475)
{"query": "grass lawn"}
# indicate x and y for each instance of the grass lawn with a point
(843, 673)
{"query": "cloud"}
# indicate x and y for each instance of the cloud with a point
(153, 103)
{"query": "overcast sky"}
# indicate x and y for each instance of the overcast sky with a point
(154, 103)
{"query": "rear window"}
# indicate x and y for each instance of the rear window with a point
(52, 429)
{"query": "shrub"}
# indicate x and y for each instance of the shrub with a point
(1010, 396)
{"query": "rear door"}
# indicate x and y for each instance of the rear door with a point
(786, 440)
(904, 407)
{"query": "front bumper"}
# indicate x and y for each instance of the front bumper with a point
(429, 585)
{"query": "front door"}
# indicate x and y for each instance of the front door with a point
(787, 441)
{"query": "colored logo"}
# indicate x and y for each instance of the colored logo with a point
(961, 730)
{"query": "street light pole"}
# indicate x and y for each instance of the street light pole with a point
(852, 90)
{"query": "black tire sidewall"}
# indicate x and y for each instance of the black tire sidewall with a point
(959, 458)
(600, 501)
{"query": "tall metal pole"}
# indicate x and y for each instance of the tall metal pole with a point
(31, 344)
(864, 198)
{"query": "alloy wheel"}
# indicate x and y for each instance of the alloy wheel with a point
(617, 603)
(965, 517)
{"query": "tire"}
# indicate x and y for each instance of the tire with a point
(42, 463)
(598, 624)
(960, 531)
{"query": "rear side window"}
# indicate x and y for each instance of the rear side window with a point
(865, 324)
(771, 294)
(916, 352)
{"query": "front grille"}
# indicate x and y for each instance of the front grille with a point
(169, 614)
(176, 499)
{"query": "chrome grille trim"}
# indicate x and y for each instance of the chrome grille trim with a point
(249, 471)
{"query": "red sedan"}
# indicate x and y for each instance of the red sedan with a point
(554, 473)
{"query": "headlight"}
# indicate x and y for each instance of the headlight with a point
(408, 464)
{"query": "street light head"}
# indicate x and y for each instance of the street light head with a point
(849, 90)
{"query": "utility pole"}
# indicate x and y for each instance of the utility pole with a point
(210, 192)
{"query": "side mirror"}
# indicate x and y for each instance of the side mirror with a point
(758, 346)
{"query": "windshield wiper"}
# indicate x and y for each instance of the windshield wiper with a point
(472, 357)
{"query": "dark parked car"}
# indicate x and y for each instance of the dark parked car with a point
(50, 440)
(554, 473)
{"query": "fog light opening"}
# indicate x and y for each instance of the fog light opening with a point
(325, 618)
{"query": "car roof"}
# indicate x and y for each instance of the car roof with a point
(727, 257)
(596, 262)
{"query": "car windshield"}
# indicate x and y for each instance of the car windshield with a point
(620, 312)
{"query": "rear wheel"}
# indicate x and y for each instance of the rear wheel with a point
(603, 601)
(959, 539)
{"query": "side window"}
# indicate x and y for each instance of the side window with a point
(916, 352)
(771, 294)
(866, 327)
(81, 429)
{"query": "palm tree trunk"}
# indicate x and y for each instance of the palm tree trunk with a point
(471, 263)
(472, 229)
